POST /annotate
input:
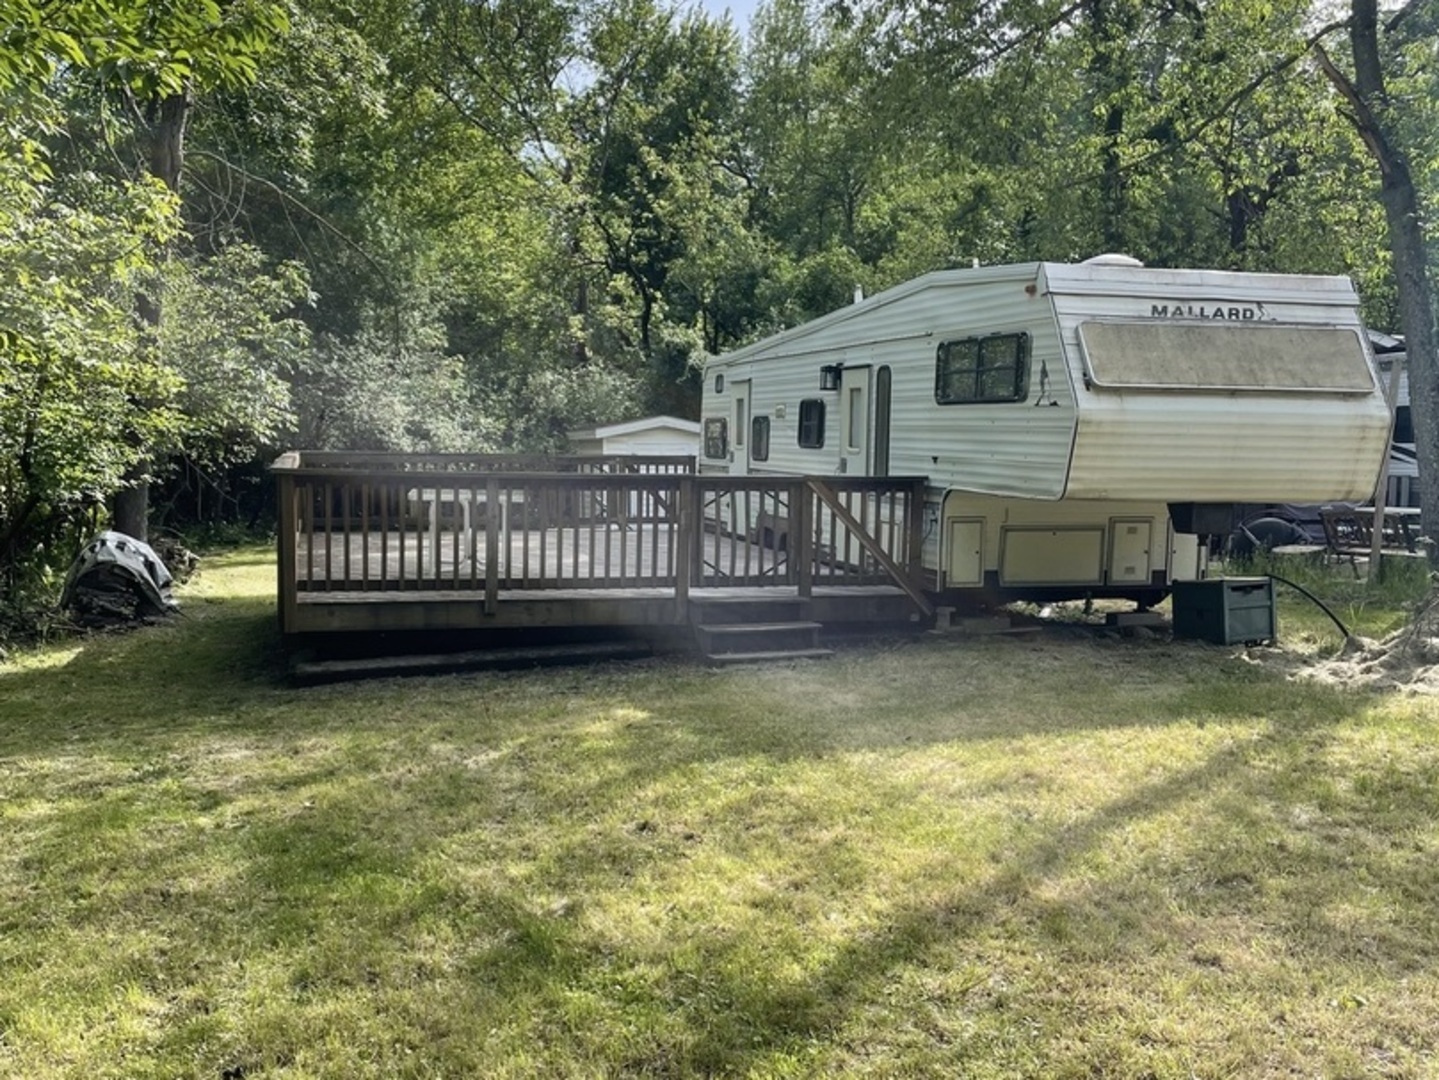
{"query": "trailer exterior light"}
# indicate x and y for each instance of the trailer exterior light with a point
(829, 376)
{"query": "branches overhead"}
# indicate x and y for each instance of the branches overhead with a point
(1366, 123)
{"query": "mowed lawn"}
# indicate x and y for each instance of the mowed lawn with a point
(1056, 856)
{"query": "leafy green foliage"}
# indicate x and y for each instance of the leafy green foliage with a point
(73, 367)
(231, 338)
(85, 396)
(366, 392)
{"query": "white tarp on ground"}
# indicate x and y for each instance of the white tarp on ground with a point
(118, 577)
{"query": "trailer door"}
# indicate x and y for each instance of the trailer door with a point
(739, 429)
(854, 443)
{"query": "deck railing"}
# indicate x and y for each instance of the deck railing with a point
(383, 461)
(457, 524)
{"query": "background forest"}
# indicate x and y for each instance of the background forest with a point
(232, 226)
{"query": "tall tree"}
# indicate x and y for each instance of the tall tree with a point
(155, 58)
(74, 247)
(1380, 121)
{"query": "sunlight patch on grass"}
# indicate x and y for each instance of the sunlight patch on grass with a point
(40, 660)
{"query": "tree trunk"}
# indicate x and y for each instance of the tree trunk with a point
(1373, 119)
(130, 510)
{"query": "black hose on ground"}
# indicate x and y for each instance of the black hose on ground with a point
(1322, 605)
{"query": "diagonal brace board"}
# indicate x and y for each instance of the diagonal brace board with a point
(869, 543)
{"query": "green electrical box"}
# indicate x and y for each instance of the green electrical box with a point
(1226, 611)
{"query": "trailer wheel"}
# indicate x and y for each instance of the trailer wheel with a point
(1264, 534)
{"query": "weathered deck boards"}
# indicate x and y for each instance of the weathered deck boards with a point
(556, 608)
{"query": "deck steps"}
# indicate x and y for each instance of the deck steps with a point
(725, 659)
(751, 632)
(756, 630)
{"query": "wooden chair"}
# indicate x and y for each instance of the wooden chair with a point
(1348, 533)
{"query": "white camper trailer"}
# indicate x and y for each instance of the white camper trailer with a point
(1079, 426)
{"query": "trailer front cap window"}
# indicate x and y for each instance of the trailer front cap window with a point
(982, 370)
(1228, 357)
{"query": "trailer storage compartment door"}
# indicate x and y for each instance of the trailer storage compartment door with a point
(1069, 555)
(1225, 357)
(1129, 561)
(966, 552)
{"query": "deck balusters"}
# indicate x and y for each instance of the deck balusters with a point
(329, 532)
(604, 523)
(364, 535)
(403, 509)
(384, 493)
(492, 545)
(307, 504)
(627, 528)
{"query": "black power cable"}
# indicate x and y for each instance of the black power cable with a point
(1322, 605)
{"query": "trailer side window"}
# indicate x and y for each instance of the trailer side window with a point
(759, 439)
(811, 423)
(716, 437)
(987, 369)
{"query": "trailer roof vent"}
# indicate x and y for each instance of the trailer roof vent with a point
(1112, 258)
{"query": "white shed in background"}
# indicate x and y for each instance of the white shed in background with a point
(651, 435)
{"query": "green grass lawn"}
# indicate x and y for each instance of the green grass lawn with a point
(1055, 856)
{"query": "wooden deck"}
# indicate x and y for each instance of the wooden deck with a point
(375, 544)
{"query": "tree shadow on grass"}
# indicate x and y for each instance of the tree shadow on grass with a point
(1289, 887)
(736, 1004)
(225, 661)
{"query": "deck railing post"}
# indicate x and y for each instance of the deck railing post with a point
(286, 553)
(801, 533)
(700, 523)
(687, 511)
(914, 549)
(492, 545)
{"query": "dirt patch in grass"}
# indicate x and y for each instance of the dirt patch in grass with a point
(1404, 661)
